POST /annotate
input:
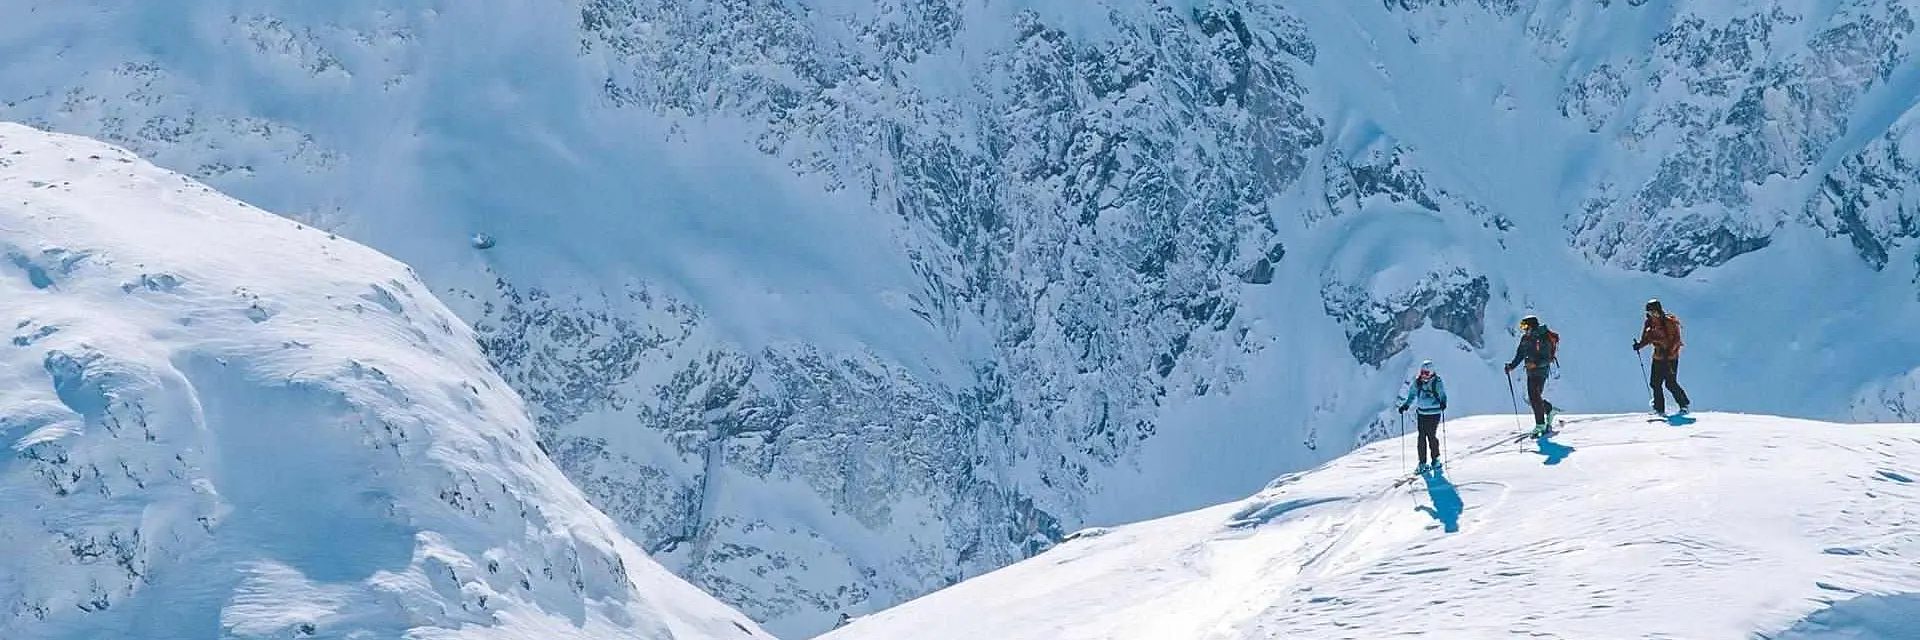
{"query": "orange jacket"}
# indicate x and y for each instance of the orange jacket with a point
(1663, 332)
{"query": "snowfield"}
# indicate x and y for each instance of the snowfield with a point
(1721, 526)
(221, 423)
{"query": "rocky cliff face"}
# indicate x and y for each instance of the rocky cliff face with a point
(1729, 104)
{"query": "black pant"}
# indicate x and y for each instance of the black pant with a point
(1537, 385)
(1428, 440)
(1665, 374)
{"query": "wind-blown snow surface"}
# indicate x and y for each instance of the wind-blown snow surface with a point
(1725, 526)
(832, 303)
(222, 423)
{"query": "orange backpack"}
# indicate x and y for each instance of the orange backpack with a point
(1673, 331)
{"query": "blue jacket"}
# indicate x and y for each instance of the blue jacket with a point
(1427, 398)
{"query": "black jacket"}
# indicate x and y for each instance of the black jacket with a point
(1534, 350)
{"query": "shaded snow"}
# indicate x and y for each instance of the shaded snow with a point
(222, 423)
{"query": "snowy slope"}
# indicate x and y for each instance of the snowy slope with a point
(834, 303)
(222, 423)
(1727, 526)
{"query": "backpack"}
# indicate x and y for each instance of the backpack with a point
(1425, 388)
(1673, 330)
(1545, 352)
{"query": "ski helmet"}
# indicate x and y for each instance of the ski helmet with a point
(1530, 321)
(1654, 305)
(1426, 365)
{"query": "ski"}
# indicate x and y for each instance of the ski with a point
(1416, 476)
(1533, 435)
(1408, 480)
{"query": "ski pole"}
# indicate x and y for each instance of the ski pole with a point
(1642, 358)
(1515, 397)
(1402, 397)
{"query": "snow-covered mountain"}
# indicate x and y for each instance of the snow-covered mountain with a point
(1718, 526)
(831, 304)
(223, 423)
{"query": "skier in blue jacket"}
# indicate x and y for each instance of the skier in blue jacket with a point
(1428, 397)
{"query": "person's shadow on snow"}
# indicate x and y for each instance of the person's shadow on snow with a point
(1554, 451)
(1446, 505)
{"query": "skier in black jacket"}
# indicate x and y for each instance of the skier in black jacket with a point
(1537, 348)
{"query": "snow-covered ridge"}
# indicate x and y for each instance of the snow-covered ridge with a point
(222, 423)
(1717, 526)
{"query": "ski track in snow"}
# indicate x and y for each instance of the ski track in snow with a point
(221, 423)
(1725, 526)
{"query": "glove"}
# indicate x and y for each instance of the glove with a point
(1509, 367)
(1638, 346)
(1403, 408)
(1443, 406)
